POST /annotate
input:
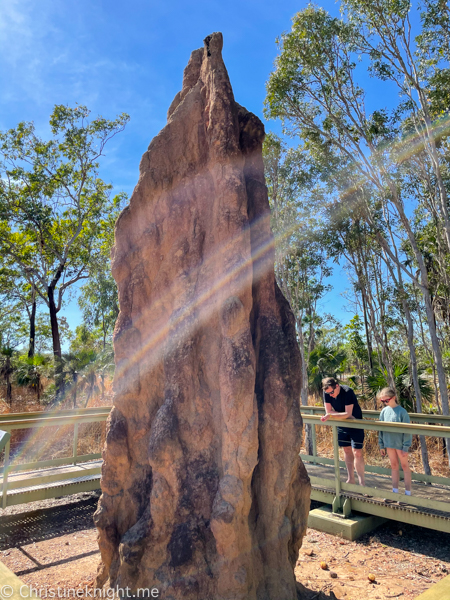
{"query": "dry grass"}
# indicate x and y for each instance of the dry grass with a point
(32, 445)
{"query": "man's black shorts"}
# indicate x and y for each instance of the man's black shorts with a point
(350, 437)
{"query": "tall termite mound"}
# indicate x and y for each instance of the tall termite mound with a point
(204, 495)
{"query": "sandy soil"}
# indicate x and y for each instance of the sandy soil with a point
(405, 561)
(58, 548)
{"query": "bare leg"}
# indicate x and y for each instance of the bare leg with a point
(349, 463)
(403, 456)
(359, 465)
(392, 453)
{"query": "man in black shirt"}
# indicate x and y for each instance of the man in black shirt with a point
(340, 402)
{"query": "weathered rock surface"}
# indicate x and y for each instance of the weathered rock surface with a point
(204, 494)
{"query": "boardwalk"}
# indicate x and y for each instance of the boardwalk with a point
(429, 505)
(53, 482)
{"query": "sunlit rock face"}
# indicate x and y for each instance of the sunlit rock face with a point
(204, 494)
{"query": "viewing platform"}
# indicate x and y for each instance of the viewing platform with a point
(429, 504)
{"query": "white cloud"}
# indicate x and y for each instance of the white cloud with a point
(47, 50)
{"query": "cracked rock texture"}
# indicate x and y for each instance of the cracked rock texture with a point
(204, 495)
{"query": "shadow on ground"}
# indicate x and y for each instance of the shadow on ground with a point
(46, 523)
(304, 593)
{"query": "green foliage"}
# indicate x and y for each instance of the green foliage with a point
(325, 361)
(44, 332)
(7, 369)
(13, 325)
(356, 342)
(403, 385)
(86, 366)
(331, 332)
(300, 263)
(381, 179)
(98, 298)
(29, 372)
(55, 210)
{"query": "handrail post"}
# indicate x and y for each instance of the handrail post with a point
(75, 443)
(5, 474)
(314, 441)
(337, 473)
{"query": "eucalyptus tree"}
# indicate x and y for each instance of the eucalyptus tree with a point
(358, 349)
(348, 236)
(419, 67)
(314, 91)
(11, 336)
(300, 264)
(98, 298)
(54, 207)
(301, 267)
(407, 307)
(18, 289)
(99, 302)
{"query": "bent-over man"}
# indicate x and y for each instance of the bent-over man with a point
(340, 401)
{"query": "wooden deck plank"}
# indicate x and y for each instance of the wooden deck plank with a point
(436, 492)
(39, 493)
(57, 470)
(12, 587)
(439, 591)
(53, 482)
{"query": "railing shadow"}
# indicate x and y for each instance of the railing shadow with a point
(40, 567)
(46, 523)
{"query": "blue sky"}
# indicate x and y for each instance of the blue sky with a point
(129, 57)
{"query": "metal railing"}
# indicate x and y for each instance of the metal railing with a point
(428, 419)
(38, 420)
(372, 425)
(75, 418)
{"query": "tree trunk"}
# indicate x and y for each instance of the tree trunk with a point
(425, 289)
(54, 322)
(368, 340)
(8, 371)
(312, 333)
(8, 391)
(360, 264)
(104, 332)
(379, 338)
(304, 388)
(415, 378)
(413, 364)
(443, 392)
(59, 376)
(89, 394)
(75, 384)
(32, 326)
(436, 389)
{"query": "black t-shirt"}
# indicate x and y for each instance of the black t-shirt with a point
(345, 397)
